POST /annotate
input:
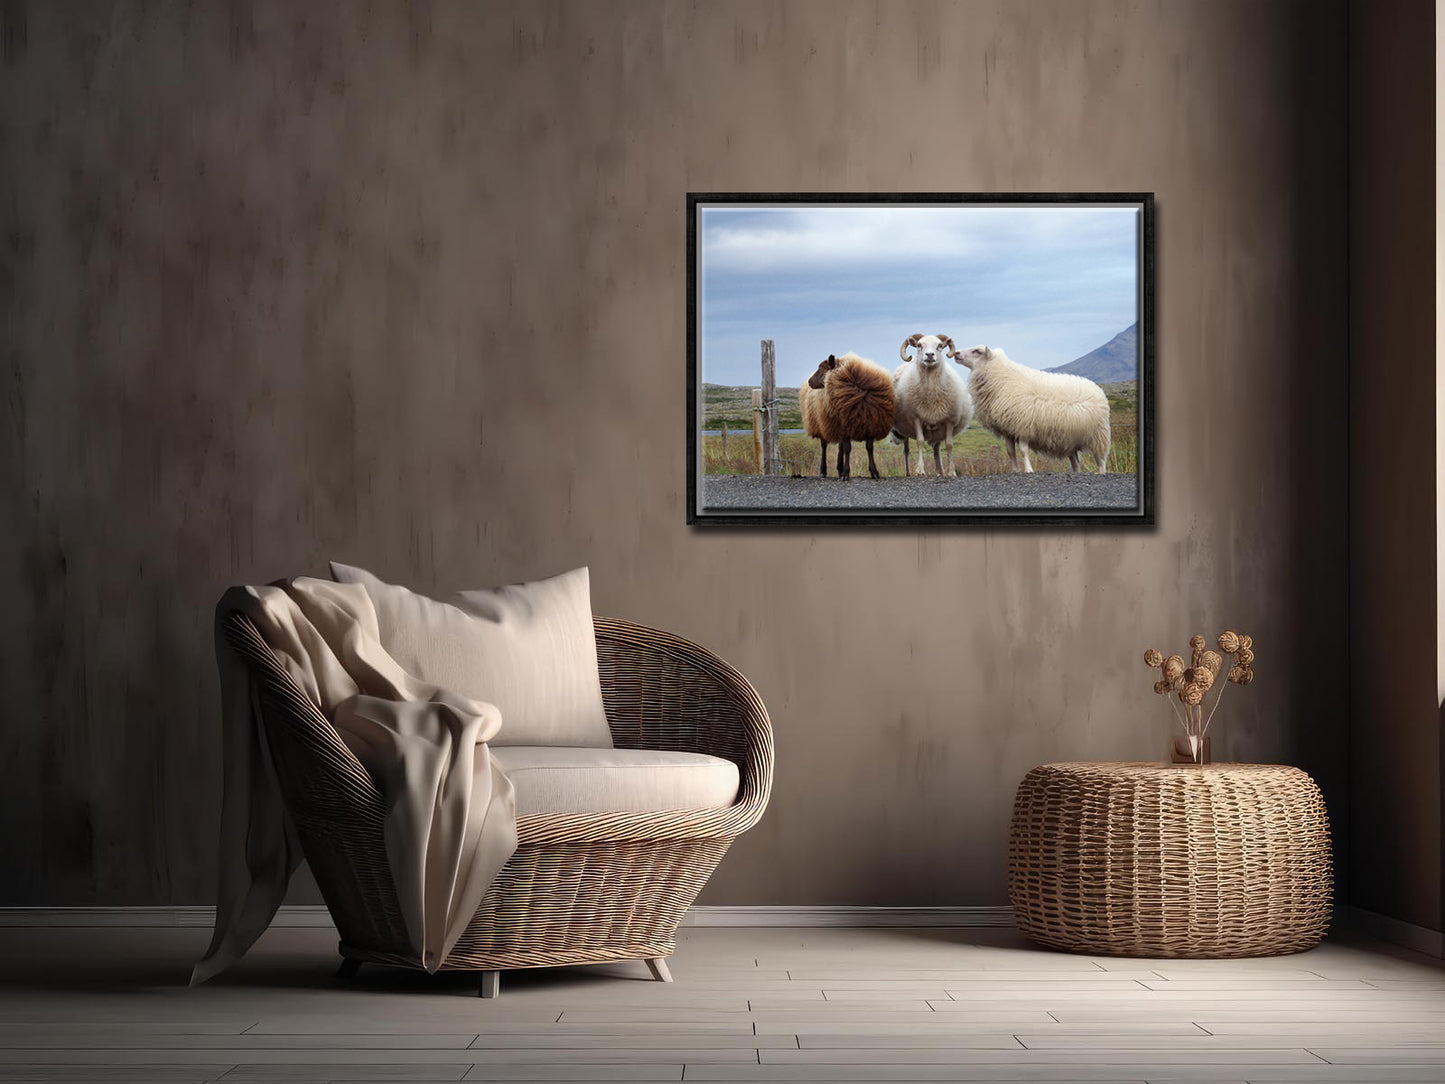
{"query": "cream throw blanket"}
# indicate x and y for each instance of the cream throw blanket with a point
(450, 815)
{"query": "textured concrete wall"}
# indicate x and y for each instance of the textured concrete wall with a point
(403, 284)
(1395, 748)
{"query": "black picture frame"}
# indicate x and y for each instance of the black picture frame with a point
(1140, 514)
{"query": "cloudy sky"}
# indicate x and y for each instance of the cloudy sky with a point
(1045, 283)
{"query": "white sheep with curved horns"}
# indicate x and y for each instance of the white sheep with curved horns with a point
(932, 403)
(1056, 413)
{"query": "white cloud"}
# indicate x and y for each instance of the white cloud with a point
(1047, 283)
(789, 239)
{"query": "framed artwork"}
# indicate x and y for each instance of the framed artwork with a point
(911, 359)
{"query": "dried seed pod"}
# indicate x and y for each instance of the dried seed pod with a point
(1245, 656)
(1213, 660)
(1153, 658)
(1162, 687)
(1191, 695)
(1173, 667)
(1247, 676)
(1236, 675)
(1229, 642)
(1204, 677)
(1246, 641)
(1196, 642)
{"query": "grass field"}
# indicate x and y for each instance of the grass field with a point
(975, 451)
(734, 405)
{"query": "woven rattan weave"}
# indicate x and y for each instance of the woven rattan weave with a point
(581, 888)
(1206, 860)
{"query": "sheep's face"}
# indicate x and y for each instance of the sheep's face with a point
(930, 350)
(820, 375)
(974, 356)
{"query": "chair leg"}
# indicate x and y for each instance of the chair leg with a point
(348, 968)
(491, 984)
(658, 966)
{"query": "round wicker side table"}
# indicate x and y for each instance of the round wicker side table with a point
(1205, 860)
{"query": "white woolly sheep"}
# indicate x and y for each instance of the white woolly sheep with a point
(848, 398)
(1055, 413)
(933, 403)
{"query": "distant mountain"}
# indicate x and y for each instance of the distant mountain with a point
(1117, 359)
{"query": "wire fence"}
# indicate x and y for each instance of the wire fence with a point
(799, 456)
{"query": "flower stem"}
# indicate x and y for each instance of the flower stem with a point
(1217, 699)
(1176, 713)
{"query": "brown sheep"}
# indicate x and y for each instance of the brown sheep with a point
(847, 399)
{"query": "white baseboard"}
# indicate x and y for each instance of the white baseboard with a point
(314, 916)
(849, 916)
(288, 917)
(294, 916)
(1394, 930)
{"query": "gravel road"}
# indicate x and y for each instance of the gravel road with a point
(1050, 491)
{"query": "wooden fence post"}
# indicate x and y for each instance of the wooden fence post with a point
(758, 428)
(725, 442)
(770, 411)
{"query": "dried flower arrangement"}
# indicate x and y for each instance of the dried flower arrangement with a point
(1191, 683)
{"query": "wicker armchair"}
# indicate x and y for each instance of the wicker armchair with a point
(581, 888)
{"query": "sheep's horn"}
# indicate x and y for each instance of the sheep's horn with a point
(912, 340)
(944, 340)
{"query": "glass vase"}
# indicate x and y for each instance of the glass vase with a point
(1192, 746)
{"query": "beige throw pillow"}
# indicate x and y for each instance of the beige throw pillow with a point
(528, 648)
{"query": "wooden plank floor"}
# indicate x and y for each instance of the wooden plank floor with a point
(747, 1005)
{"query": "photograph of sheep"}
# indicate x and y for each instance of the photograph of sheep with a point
(920, 359)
